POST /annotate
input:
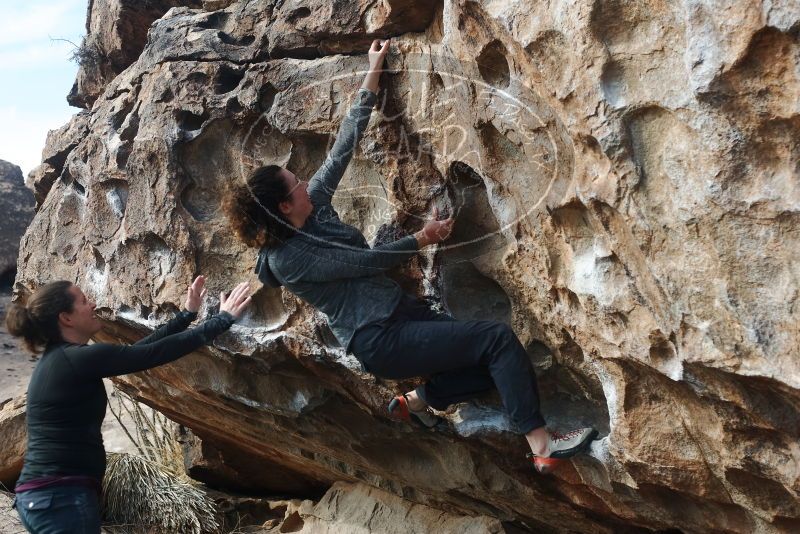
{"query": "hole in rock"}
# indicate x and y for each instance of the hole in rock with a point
(470, 295)
(306, 52)
(297, 14)
(117, 196)
(567, 297)
(573, 220)
(190, 121)
(467, 292)
(166, 96)
(227, 79)
(612, 83)
(539, 353)
(547, 52)
(130, 127)
(123, 153)
(266, 97)
(661, 349)
(118, 118)
(476, 231)
(308, 154)
(127, 133)
(500, 146)
(96, 276)
(493, 65)
(236, 41)
(197, 78)
(79, 188)
(214, 21)
(197, 201)
(436, 27)
(233, 106)
(570, 399)
(99, 261)
(648, 129)
(614, 22)
(771, 401)
(266, 310)
(293, 523)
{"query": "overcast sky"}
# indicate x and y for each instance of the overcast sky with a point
(35, 73)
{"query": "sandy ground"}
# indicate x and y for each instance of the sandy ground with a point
(18, 365)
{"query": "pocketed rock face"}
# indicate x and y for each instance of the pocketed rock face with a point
(625, 180)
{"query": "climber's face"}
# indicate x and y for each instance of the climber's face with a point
(297, 204)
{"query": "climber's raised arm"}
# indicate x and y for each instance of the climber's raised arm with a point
(377, 54)
(324, 182)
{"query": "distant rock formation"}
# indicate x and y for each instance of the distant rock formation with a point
(626, 186)
(16, 209)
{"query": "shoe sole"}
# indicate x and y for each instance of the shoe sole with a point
(546, 466)
(398, 408)
(568, 453)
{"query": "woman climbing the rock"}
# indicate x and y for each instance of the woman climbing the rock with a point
(305, 247)
(60, 484)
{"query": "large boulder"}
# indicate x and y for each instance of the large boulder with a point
(363, 509)
(625, 180)
(14, 439)
(16, 205)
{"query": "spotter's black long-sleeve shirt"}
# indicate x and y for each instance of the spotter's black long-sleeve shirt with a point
(67, 400)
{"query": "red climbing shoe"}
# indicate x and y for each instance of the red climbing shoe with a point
(560, 446)
(399, 409)
(544, 465)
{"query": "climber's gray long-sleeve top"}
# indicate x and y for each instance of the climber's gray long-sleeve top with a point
(328, 263)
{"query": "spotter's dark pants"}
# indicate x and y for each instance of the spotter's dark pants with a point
(59, 510)
(461, 358)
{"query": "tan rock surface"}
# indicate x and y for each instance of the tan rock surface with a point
(362, 509)
(9, 519)
(626, 183)
(12, 443)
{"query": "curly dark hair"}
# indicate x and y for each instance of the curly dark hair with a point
(252, 208)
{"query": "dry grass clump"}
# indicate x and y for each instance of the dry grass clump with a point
(153, 435)
(150, 492)
(88, 54)
(141, 496)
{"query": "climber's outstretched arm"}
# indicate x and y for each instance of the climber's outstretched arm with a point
(377, 53)
(325, 181)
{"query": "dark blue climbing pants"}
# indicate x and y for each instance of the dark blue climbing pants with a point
(461, 359)
(59, 510)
